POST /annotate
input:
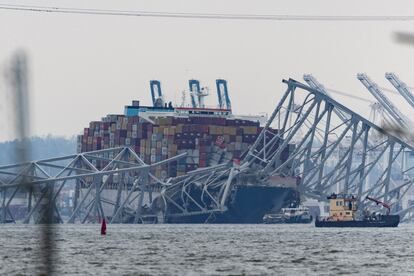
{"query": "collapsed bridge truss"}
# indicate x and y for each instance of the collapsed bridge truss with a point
(335, 150)
(40, 183)
(331, 149)
(338, 150)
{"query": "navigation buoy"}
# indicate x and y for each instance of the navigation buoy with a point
(103, 227)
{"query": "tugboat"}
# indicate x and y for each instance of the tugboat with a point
(343, 212)
(299, 214)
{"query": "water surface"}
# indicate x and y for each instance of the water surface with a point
(211, 250)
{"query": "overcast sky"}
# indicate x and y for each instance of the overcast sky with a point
(83, 67)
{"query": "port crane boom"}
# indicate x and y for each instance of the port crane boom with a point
(311, 80)
(401, 87)
(382, 99)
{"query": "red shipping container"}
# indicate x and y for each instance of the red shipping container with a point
(202, 163)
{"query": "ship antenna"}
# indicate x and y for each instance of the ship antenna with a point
(183, 99)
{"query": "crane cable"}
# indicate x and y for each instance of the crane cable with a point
(227, 16)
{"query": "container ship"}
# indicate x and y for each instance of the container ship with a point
(209, 136)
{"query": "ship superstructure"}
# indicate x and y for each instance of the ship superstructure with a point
(342, 207)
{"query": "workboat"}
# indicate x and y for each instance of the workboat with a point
(343, 212)
(299, 214)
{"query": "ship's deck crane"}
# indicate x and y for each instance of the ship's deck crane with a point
(223, 94)
(378, 202)
(373, 88)
(401, 87)
(156, 93)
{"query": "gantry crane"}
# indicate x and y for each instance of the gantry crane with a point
(375, 106)
(401, 87)
(311, 80)
(373, 88)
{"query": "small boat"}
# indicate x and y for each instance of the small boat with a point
(299, 214)
(343, 212)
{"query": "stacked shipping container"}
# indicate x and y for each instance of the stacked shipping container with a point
(207, 140)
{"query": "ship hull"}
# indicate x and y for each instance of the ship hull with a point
(384, 221)
(247, 204)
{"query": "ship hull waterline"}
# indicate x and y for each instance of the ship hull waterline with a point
(248, 205)
(385, 221)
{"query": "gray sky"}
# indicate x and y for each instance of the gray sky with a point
(84, 67)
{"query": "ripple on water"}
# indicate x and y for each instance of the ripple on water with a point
(211, 250)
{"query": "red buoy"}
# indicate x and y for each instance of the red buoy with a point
(103, 227)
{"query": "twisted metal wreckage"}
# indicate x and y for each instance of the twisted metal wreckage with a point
(335, 149)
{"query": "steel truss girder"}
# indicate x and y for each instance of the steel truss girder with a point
(333, 150)
(41, 182)
(327, 151)
(319, 177)
(202, 192)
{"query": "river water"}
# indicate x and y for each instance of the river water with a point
(210, 250)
